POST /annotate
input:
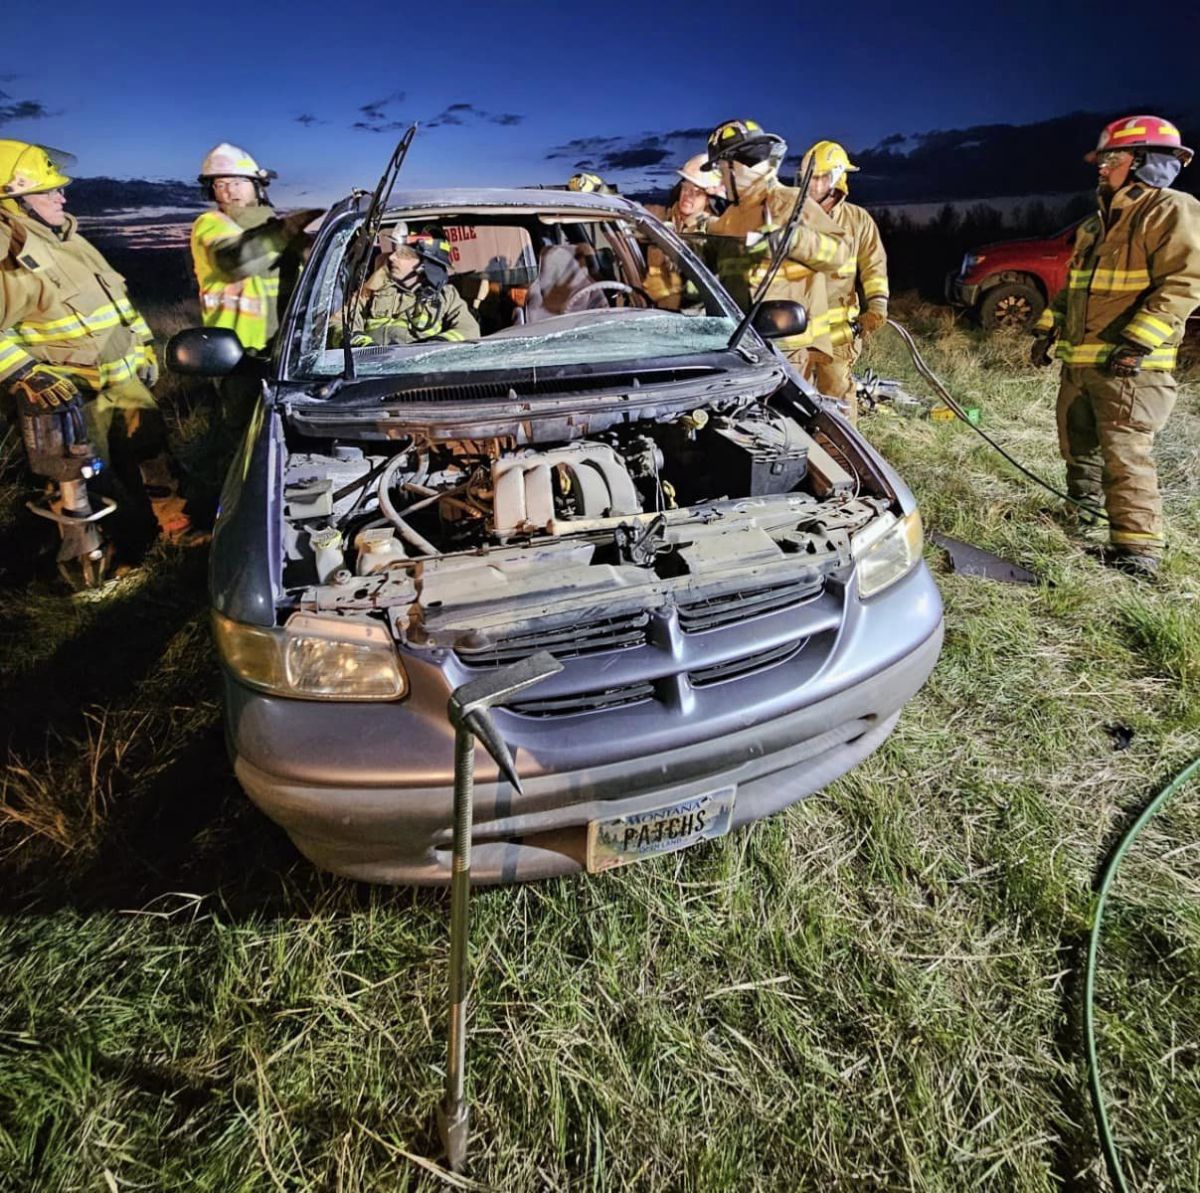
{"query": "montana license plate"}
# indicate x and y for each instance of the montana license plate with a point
(664, 829)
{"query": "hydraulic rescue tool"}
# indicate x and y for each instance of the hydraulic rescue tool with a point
(468, 711)
(57, 448)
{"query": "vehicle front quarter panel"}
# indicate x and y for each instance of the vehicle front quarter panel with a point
(245, 567)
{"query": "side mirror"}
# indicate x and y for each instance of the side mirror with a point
(779, 317)
(204, 352)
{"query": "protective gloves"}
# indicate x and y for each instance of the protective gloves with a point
(40, 389)
(1041, 351)
(148, 370)
(1126, 360)
(869, 322)
(295, 222)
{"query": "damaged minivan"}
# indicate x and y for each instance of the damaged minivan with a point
(729, 574)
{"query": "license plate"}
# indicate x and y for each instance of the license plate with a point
(665, 829)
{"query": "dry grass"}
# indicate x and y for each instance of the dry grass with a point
(875, 990)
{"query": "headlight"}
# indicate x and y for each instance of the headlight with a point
(313, 658)
(970, 260)
(886, 550)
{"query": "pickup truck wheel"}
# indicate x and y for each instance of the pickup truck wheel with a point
(1013, 304)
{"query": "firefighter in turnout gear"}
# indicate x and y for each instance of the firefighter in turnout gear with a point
(238, 254)
(689, 213)
(72, 344)
(1133, 280)
(759, 206)
(408, 301)
(865, 270)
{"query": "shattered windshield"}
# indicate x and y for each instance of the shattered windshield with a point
(474, 292)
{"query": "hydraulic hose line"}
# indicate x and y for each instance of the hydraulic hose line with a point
(932, 378)
(1107, 1145)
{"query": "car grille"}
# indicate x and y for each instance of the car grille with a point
(705, 677)
(566, 642)
(713, 612)
(580, 702)
(634, 693)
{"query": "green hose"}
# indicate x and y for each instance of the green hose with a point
(1107, 1146)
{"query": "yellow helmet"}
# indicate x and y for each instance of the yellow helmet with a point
(590, 184)
(27, 169)
(831, 158)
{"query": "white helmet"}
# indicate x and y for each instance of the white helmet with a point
(707, 180)
(228, 161)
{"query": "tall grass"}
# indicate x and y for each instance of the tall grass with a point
(875, 990)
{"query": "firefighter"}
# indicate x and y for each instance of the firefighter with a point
(237, 254)
(71, 337)
(689, 212)
(866, 269)
(759, 204)
(1133, 280)
(408, 300)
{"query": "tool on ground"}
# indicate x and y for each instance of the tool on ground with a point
(1108, 1146)
(57, 448)
(468, 711)
(968, 560)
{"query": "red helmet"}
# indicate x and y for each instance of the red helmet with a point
(1141, 132)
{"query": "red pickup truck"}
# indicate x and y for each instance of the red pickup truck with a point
(1009, 284)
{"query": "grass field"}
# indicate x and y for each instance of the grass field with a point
(876, 990)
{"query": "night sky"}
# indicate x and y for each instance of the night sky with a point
(320, 91)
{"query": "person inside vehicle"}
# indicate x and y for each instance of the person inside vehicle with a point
(690, 208)
(407, 299)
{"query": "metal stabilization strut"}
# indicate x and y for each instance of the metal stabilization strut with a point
(468, 710)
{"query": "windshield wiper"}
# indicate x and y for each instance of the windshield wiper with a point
(358, 252)
(781, 248)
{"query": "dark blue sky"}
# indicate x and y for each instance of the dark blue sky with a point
(144, 88)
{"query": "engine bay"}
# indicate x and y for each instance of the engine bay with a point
(453, 535)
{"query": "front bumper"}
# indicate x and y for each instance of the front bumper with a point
(366, 790)
(960, 293)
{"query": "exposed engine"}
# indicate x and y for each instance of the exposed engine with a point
(348, 513)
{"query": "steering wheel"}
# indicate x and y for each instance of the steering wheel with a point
(572, 303)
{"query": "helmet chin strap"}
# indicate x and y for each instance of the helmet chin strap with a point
(57, 229)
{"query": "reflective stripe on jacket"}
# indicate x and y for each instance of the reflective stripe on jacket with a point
(1134, 278)
(235, 257)
(866, 270)
(63, 306)
(819, 248)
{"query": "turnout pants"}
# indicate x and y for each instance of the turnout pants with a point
(1106, 429)
(834, 375)
(126, 429)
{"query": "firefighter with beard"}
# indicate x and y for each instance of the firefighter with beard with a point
(759, 206)
(690, 211)
(1133, 280)
(408, 299)
(866, 269)
(239, 252)
(73, 346)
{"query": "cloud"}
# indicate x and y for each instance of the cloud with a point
(650, 153)
(308, 120)
(386, 126)
(461, 113)
(374, 110)
(24, 109)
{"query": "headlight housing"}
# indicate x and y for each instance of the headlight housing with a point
(969, 261)
(313, 658)
(886, 550)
